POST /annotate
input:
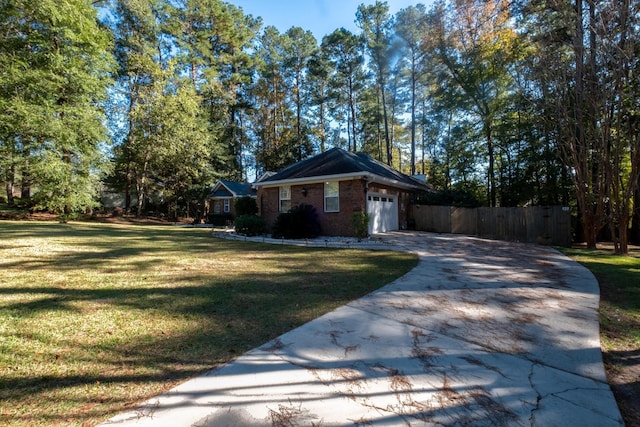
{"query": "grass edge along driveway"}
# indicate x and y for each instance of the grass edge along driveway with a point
(619, 279)
(95, 318)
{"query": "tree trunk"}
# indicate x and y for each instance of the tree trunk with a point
(140, 190)
(491, 172)
(127, 191)
(323, 137)
(590, 230)
(25, 185)
(634, 236)
(141, 183)
(413, 119)
(11, 178)
(298, 115)
(352, 112)
(579, 152)
(386, 125)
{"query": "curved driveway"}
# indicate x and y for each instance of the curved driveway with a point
(480, 333)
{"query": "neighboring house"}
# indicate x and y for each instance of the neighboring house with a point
(339, 183)
(224, 193)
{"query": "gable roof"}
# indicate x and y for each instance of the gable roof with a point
(337, 163)
(224, 188)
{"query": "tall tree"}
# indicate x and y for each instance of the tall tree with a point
(215, 39)
(409, 26)
(273, 116)
(138, 36)
(475, 43)
(588, 57)
(170, 135)
(376, 24)
(54, 65)
(319, 69)
(299, 50)
(344, 51)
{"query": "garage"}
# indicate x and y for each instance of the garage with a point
(383, 212)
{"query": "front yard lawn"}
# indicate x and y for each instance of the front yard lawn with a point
(95, 318)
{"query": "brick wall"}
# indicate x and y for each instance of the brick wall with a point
(352, 199)
(219, 203)
(268, 205)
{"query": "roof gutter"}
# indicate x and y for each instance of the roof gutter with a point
(370, 177)
(313, 179)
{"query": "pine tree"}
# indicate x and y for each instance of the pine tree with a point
(54, 70)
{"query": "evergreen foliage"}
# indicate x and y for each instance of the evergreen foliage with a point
(250, 225)
(531, 102)
(246, 206)
(55, 61)
(300, 222)
(360, 223)
(457, 198)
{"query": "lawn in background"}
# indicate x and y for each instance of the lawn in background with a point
(95, 318)
(619, 279)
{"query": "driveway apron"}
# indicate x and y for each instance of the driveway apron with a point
(480, 333)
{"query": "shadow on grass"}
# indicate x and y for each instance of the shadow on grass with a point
(193, 314)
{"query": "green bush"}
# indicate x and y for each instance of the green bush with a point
(250, 225)
(300, 222)
(246, 206)
(219, 220)
(360, 223)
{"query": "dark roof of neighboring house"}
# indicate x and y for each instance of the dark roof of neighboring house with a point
(336, 162)
(224, 188)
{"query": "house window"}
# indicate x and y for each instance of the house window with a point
(331, 197)
(285, 198)
(227, 206)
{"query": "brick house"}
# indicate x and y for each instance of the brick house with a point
(339, 183)
(224, 193)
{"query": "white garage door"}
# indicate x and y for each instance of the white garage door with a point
(383, 212)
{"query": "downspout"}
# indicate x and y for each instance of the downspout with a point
(366, 202)
(366, 192)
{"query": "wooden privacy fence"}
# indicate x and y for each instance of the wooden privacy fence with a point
(546, 225)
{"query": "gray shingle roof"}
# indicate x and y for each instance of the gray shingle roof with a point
(224, 188)
(337, 161)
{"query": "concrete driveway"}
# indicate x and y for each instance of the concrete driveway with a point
(480, 333)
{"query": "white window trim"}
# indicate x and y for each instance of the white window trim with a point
(336, 195)
(226, 203)
(284, 196)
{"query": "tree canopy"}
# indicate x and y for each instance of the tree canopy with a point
(513, 103)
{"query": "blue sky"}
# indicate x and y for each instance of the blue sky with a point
(321, 17)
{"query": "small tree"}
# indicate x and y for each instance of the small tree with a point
(247, 222)
(360, 223)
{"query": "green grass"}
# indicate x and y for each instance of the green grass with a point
(95, 318)
(619, 279)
